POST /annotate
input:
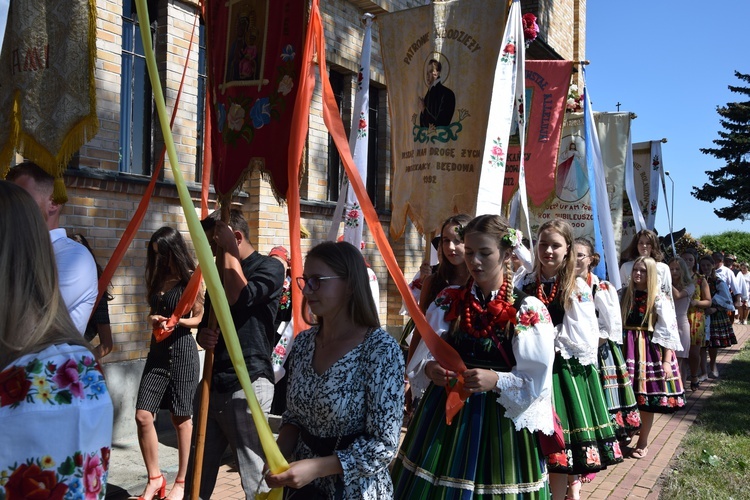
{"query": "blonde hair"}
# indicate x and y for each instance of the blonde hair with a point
(652, 288)
(686, 277)
(566, 274)
(32, 312)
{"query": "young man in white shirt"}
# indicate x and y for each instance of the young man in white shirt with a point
(76, 268)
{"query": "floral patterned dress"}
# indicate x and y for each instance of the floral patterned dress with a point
(56, 416)
(361, 395)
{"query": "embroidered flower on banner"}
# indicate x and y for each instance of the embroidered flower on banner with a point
(235, 117)
(655, 163)
(362, 128)
(653, 206)
(360, 79)
(496, 153)
(351, 218)
(285, 85)
(234, 123)
(530, 28)
(509, 51)
(288, 54)
(261, 112)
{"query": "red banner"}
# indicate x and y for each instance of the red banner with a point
(254, 71)
(547, 85)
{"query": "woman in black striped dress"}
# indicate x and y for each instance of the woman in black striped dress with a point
(170, 376)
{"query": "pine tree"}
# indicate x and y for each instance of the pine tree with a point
(731, 182)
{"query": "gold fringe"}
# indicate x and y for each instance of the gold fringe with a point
(83, 131)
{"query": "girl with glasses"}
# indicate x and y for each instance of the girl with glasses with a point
(345, 392)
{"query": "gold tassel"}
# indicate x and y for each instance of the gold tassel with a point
(59, 195)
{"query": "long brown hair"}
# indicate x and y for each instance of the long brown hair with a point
(171, 257)
(446, 272)
(346, 260)
(631, 252)
(32, 312)
(566, 275)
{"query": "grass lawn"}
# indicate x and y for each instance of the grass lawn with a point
(714, 459)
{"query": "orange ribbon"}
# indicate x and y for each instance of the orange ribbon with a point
(183, 306)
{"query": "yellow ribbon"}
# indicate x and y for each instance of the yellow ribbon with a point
(276, 461)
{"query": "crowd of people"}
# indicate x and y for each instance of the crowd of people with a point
(567, 348)
(563, 373)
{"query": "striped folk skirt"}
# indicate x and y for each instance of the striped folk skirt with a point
(590, 441)
(721, 332)
(479, 456)
(654, 392)
(618, 390)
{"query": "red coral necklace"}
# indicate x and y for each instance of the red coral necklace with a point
(546, 299)
(499, 309)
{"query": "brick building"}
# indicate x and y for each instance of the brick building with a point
(109, 175)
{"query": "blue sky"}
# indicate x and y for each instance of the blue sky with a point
(670, 62)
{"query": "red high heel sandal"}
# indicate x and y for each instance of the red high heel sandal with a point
(160, 493)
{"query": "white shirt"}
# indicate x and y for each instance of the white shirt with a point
(736, 286)
(76, 273)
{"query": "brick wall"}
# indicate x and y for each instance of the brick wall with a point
(103, 200)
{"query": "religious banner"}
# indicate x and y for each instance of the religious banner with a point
(254, 68)
(47, 88)
(646, 180)
(547, 85)
(439, 104)
(571, 193)
(348, 208)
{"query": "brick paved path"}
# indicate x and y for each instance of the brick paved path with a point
(629, 480)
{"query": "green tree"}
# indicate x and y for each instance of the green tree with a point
(731, 181)
(734, 242)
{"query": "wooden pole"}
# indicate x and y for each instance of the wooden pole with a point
(205, 385)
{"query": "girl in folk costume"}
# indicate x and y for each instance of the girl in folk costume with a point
(696, 315)
(451, 270)
(721, 333)
(613, 372)
(590, 442)
(651, 337)
(646, 244)
(506, 340)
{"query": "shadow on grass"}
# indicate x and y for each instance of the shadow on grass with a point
(727, 409)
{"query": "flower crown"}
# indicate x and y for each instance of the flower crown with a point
(512, 238)
(460, 229)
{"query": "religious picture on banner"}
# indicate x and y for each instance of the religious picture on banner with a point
(437, 108)
(439, 103)
(246, 42)
(571, 178)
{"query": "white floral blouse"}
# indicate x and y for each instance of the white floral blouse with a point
(56, 419)
(363, 392)
(608, 313)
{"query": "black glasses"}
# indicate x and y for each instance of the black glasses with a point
(313, 282)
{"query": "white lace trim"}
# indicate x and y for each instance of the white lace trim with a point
(582, 352)
(515, 397)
